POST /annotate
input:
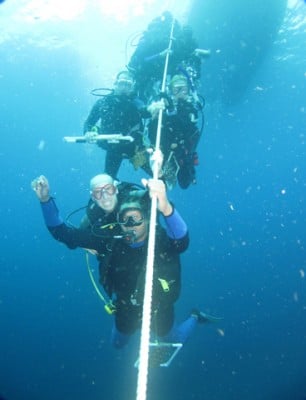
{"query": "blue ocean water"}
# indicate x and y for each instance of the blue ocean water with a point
(246, 215)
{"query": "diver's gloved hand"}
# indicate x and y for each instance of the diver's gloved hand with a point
(41, 187)
(91, 135)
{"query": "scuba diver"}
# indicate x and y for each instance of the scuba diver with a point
(181, 131)
(147, 61)
(124, 272)
(122, 269)
(119, 112)
(99, 225)
(183, 119)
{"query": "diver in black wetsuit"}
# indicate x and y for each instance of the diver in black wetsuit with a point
(119, 112)
(125, 270)
(181, 131)
(148, 60)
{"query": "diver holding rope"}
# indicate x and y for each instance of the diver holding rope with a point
(183, 116)
(181, 133)
(148, 59)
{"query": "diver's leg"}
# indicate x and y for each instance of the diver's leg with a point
(180, 333)
(126, 323)
(119, 339)
(168, 330)
(113, 160)
(186, 175)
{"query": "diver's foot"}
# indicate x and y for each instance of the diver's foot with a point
(202, 317)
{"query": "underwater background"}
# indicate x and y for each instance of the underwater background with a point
(246, 214)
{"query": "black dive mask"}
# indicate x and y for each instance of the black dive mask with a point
(130, 221)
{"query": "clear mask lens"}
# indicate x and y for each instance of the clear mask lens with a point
(125, 84)
(99, 192)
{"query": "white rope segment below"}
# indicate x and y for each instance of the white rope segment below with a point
(147, 301)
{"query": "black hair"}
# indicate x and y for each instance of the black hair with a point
(143, 199)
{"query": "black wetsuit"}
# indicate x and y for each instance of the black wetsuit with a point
(180, 135)
(123, 265)
(125, 277)
(118, 114)
(147, 62)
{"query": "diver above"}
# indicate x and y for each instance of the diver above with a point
(119, 112)
(181, 131)
(148, 60)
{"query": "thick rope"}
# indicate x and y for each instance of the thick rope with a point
(147, 302)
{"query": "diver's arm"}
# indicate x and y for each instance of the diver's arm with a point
(177, 231)
(50, 213)
(93, 116)
(41, 187)
(161, 54)
(176, 227)
(72, 237)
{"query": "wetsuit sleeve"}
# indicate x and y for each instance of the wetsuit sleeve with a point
(72, 237)
(142, 108)
(177, 231)
(175, 225)
(152, 57)
(93, 117)
(51, 213)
